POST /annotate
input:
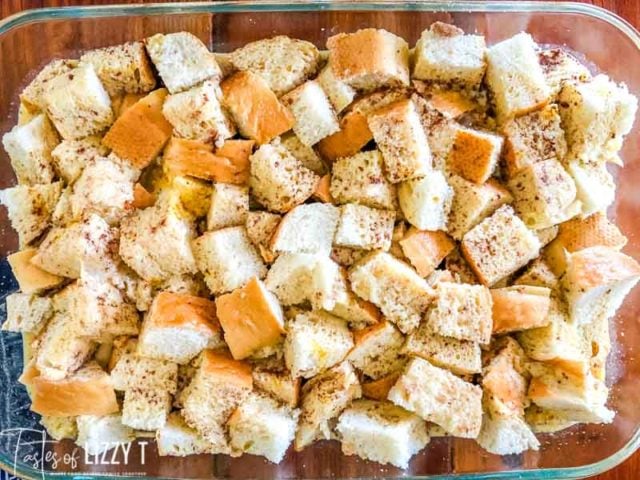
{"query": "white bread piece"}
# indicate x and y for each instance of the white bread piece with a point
(519, 307)
(539, 274)
(306, 154)
(33, 94)
(31, 279)
(324, 397)
(278, 180)
(260, 227)
(347, 256)
(356, 311)
(262, 426)
(425, 250)
(504, 379)
(472, 203)
(145, 409)
(381, 432)
(474, 154)
(377, 350)
(445, 399)
(506, 435)
(426, 201)
(60, 428)
(229, 206)
(132, 371)
(227, 259)
(182, 60)
(27, 313)
(369, 59)
(315, 342)
(29, 147)
(307, 228)
(30, 208)
(70, 156)
(279, 383)
(596, 281)
(499, 245)
(122, 68)
(547, 235)
(77, 103)
(340, 93)
(597, 335)
(156, 242)
(363, 227)
(400, 293)
(595, 186)
(314, 116)
(596, 115)
(175, 438)
(462, 311)
(360, 179)
(198, 114)
(97, 435)
(445, 54)
(560, 67)
(399, 135)
(515, 77)
(282, 62)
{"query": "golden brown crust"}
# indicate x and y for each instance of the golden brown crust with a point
(595, 266)
(322, 191)
(31, 279)
(354, 134)
(472, 156)
(180, 310)
(225, 368)
(425, 249)
(519, 308)
(451, 104)
(379, 389)
(128, 100)
(362, 336)
(141, 197)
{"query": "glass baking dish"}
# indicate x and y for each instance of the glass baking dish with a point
(30, 39)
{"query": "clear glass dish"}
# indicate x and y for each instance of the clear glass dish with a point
(30, 39)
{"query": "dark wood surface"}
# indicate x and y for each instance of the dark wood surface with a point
(628, 9)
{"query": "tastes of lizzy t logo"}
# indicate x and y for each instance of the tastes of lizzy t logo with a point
(31, 448)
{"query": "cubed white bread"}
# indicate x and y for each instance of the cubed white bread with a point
(399, 135)
(227, 259)
(596, 341)
(62, 214)
(360, 179)
(29, 147)
(279, 383)
(60, 428)
(324, 397)
(347, 256)
(520, 307)
(262, 426)
(377, 350)
(130, 371)
(499, 245)
(229, 206)
(426, 201)
(156, 242)
(381, 432)
(99, 434)
(260, 227)
(340, 93)
(393, 286)
(547, 235)
(504, 379)
(560, 67)
(122, 68)
(515, 77)
(445, 399)
(33, 94)
(315, 342)
(282, 62)
(353, 135)
(306, 154)
(596, 115)
(176, 438)
(182, 60)
(369, 59)
(219, 386)
(195, 194)
(314, 116)
(31, 279)
(278, 180)
(251, 317)
(145, 409)
(363, 227)
(474, 154)
(308, 228)
(425, 250)
(462, 311)
(77, 103)
(539, 274)
(510, 435)
(472, 203)
(545, 420)
(30, 208)
(70, 156)
(356, 311)
(595, 186)
(596, 282)
(459, 356)
(27, 313)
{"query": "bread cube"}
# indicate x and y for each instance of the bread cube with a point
(308, 228)
(304, 153)
(462, 311)
(400, 137)
(509, 435)
(99, 434)
(182, 60)
(499, 245)
(560, 67)
(145, 409)
(227, 259)
(363, 227)
(426, 250)
(314, 116)
(532, 138)
(377, 350)
(324, 397)
(360, 179)
(445, 54)
(426, 201)
(445, 399)
(369, 59)
(278, 180)
(70, 156)
(77, 103)
(27, 313)
(400, 293)
(347, 256)
(33, 94)
(122, 68)
(379, 389)
(262, 426)
(381, 432)
(279, 383)
(515, 77)
(29, 147)
(62, 214)
(474, 154)
(29, 208)
(282, 62)
(229, 206)
(31, 279)
(595, 186)
(260, 228)
(315, 342)
(176, 438)
(356, 311)
(519, 308)
(60, 428)
(353, 135)
(538, 274)
(340, 93)
(597, 335)
(254, 108)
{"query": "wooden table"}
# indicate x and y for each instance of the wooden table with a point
(628, 9)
